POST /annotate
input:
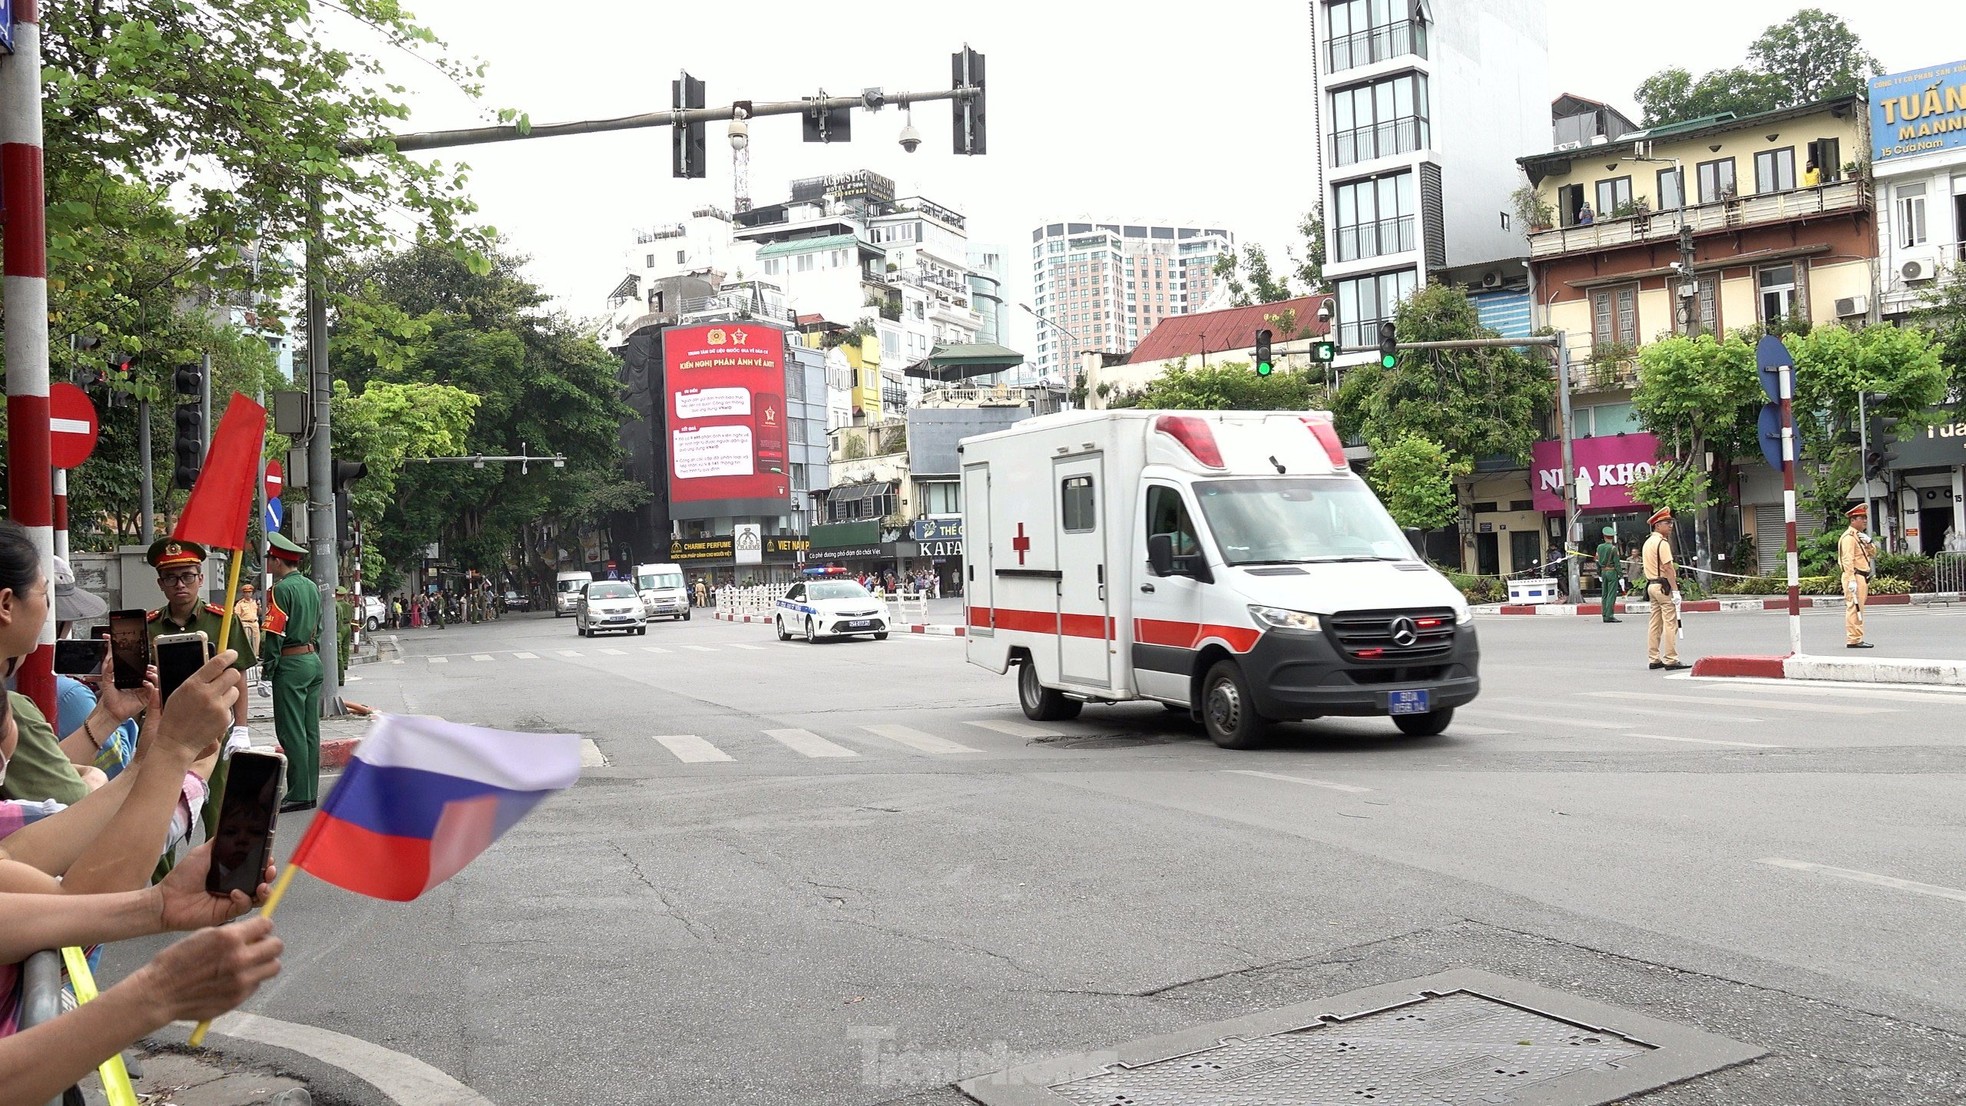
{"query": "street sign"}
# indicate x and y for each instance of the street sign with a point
(1770, 424)
(7, 25)
(71, 425)
(275, 479)
(275, 515)
(1770, 358)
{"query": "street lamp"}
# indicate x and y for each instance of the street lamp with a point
(1041, 317)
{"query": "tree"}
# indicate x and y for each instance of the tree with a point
(1833, 365)
(1942, 313)
(1700, 396)
(1415, 479)
(1226, 386)
(1251, 279)
(1813, 55)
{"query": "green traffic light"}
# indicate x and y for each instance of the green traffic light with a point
(1264, 368)
(1389, 361)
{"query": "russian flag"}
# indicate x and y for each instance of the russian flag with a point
(423, 797)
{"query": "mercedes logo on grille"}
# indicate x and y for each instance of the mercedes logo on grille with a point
(1405, 633)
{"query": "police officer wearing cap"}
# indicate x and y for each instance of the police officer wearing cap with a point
(180, 569)
(1662, 588)
(1857, 558)
(292, 636)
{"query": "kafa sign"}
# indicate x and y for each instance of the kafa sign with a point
(1607, 466)
(727, 427)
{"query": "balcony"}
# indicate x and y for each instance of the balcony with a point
(1663, 226)
(1401, 135)
(1375, 44)
(1387, 236)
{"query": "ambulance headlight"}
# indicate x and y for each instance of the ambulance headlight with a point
(1463, 614)
(1277, 618)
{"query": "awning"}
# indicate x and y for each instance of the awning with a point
(960, 362)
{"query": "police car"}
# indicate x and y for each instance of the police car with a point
(829, 608)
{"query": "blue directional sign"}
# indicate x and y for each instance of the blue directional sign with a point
(1770, 358)
(1770, 422)
(7, 25)
(275, 515)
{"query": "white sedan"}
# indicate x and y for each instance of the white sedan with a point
(829, 608)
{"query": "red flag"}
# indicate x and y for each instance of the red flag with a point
(222, 500)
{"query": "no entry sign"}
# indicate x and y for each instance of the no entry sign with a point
(71, 425)
(275, 479)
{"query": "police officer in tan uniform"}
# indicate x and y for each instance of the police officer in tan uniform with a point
(1662, 588)
(1856, 556)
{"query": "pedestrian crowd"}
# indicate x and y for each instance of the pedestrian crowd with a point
(105, 815)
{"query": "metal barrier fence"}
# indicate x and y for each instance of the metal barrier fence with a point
(1949, 572)
(40, 987)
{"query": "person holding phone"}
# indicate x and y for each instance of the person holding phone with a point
(293, 663)
(101, 727)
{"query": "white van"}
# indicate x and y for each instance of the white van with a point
(1225, 563)
(566, 591)
(664, 591)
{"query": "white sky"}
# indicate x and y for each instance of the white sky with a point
(1126, 114)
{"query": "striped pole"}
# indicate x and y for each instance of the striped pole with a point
(30, 493)
(61, 513)
(1788, 508)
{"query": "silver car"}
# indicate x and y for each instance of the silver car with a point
(608, 605)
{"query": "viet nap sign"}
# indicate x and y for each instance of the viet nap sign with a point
(725, 384)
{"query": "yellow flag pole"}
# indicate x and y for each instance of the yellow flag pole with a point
(231, 600)
(272, 901)
(115, 1077)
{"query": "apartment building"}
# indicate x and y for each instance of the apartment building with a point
(1102, 287)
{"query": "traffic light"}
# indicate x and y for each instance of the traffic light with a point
(1883, 434)
(190, 381)
(1324, 351)
(342, 474)
(827, 124)
(189, 445)
(1388, 346)
(966, 71)
(347, 472)
(1265, 360)
(690, 150)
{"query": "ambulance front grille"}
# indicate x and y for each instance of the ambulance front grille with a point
(1395, 636)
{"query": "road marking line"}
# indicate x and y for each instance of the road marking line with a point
(751, 647)
(396, 662)
(1621, 710)
(1892, 882)
(1326, 784)
(482, 657)
(526, 656)
(1727, 701)
(691, 749)
(614, 652)
(700, 648)
(440, 660)
(809, 744)
(569, 652)
(1476, 731)
(1588, 723)
(919, 741)
(1707, 741)
(1014, 729)
(653, 649)
(590, 754)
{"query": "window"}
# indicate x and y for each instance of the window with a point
(1827, 153)
(1378, 120)
(1607, 419)
(1613, 194)
(1365, 301)
(1614, 316)
(1167, 514)
(773, 266)
(1910, 212)
(680, 254)
(1780, 291)
(1709, 320)
(1672, 190)
(651, 262)
(805, 263)
(1375, 217)
(1367, 31)
(1569, 200)
(1774, 170)
(1716, 180)
(1076, 502)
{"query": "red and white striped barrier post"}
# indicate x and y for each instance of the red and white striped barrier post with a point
(30, 495)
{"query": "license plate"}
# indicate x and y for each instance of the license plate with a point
(859, 624)
(1407, 702)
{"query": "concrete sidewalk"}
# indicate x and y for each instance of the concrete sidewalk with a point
(205, 1077)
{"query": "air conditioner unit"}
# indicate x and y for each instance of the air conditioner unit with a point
(1919, 268)
(1852, 306)
(1571, 145)
(1491, 280)
(1600, 139)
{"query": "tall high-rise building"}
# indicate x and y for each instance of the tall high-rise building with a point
(1108, 284)
(1419, 103)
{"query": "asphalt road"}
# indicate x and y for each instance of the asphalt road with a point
(854, 873)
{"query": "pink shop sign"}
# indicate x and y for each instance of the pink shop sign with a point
(1607, 465)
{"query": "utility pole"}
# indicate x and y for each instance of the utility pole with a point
(321, 531)
(146, 486)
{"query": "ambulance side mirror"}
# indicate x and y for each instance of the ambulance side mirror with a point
(1160, 554)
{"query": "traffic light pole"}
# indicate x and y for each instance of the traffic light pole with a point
(146, 485)
(1863, 459)
(321, 530)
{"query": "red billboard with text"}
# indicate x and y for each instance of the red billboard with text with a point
(727, 428)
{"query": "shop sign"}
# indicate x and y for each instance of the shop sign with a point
(1918, 111)
(787, 545)
(701, 549)
(945, 528)
(1605, 469)
(1939, 443)
(942, 548)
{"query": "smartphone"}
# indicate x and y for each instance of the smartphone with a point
(80, 656)
(246, 814)
(129, 646)
(178, 656)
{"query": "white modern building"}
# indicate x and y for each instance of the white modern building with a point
(1102, 287)
(1419, 104)
(1918, 161)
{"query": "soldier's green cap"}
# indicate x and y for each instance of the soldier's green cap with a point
(1610, 531)
(284, 548)
(171, 553)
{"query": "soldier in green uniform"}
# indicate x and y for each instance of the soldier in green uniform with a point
(292, 636)
(1610, 572)
(180, 569)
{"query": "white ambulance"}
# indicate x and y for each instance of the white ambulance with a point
(1226, 563)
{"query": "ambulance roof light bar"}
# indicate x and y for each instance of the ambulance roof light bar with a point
(1194, 435)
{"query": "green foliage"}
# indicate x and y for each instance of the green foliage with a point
(1684, 488)
(1225, 386)
(1833, 364)
(388, 424)
(1779, 585)
(1701, 391)
(1890, 585)
(1415, 479)
(1477, 589)
(1251, 278)
(1942, 312)
(1811, 56)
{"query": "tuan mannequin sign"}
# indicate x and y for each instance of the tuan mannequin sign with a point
(1607, 466)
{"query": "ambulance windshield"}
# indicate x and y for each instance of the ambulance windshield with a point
(1294, 519)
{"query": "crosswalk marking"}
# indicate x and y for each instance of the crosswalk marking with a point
(809, 744)
(526, 656)
(653, 649)
(1588, 723)
(753, 647)
(398, 661)
(1708, 741)
(918, 741)
(1476, 731)
(1014, 729)
(440, 660)
(691, 749)
(1307, 782)
(614, 652)
(569, 652)
(1892, 882)
(482, 657)
(700, 648)
(1730, 701)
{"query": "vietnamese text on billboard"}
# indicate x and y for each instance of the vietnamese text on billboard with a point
(726, 412)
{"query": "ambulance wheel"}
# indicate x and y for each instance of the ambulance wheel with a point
(778, 624)
(1430, 724)
(1040, 703)
(1227, 711)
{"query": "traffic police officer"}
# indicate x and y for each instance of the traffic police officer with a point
(1662, 588)
(292, 635)
(1857, 558)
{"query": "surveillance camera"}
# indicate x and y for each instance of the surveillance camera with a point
(740, 133)
(1324, 312)
(911, 139)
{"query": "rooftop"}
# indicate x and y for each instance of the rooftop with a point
(1230, 329)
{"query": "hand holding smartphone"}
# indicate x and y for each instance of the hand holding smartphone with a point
(244, 841)
(129, 646)
(178, 656)
(80, 656)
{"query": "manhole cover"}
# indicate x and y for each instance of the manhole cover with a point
(1458, 1037)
